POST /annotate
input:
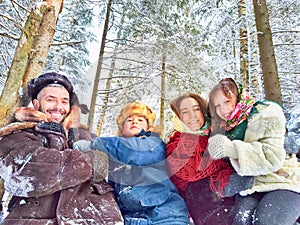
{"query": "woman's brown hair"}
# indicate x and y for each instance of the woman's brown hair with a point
(175, 103)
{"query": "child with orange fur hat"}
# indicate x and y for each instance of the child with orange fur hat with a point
(137, 169)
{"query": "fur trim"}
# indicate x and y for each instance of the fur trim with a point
(16, 126)
(73, 119)
(34, 86)
(287, 177)
(30, 114)
(135, 108)
(28, 118)
(262, 151)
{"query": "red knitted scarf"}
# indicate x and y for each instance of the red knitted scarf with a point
(189, 161)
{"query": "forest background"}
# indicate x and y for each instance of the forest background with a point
(119, 51)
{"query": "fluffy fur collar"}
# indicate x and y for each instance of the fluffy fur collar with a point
(16, 126)
(28, 117)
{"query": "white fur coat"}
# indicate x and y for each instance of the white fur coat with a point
(262, 152)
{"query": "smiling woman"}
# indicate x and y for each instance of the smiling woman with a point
(190, 113)
(192, 171)
(190, 108)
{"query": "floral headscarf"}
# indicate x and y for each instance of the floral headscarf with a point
(242, 109)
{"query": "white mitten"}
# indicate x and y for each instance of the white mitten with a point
(82, 145)
(219, 146)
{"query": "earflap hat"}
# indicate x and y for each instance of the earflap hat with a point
(135, 108)
(34, 86)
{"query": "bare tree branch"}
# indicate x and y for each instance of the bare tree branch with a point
(6, 35)
(67, 43)
(11, 19)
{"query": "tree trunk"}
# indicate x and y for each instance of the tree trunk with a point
(30, 57)
(108, 82)
(255, 81)
(29, 61)
(163, 89)
(244, 59)
(99, 67)
(267, 55)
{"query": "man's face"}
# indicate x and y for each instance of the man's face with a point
(54, 101)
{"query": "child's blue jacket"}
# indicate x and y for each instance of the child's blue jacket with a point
(138, 172)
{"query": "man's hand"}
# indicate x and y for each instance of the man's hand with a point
(100, 165)
(30, 114)
(73, 118)
(82, 145)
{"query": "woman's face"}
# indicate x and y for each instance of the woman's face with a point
(224, 106)
(190, 114)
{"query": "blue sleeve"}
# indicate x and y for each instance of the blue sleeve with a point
(133, 150)
(105, 144)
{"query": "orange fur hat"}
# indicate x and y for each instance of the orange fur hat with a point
(135, 108)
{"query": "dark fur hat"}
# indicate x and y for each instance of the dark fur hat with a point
(35, 85)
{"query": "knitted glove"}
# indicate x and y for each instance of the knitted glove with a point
(82, 145)
(100, 165)
(219, 146)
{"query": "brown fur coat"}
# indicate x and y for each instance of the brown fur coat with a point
(50, 183)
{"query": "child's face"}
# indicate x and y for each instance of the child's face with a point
(224, 106)
(190, 114)
(134, 125)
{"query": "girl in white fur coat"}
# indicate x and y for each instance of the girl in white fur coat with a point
(251, 135)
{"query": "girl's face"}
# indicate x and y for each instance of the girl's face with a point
(134, 125)
(224, 106)
(190, 114)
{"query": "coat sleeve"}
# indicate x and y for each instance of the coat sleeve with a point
(132, 151)
(30, 169)
(262, 151)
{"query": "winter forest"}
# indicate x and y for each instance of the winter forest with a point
(119, 51)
